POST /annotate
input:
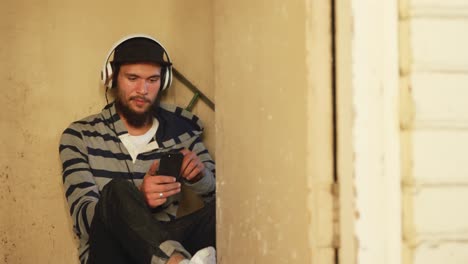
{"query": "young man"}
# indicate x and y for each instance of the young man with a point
(123, 211)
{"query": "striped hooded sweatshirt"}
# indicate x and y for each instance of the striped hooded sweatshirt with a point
(92, 155)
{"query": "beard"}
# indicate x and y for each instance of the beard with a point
(133, 118)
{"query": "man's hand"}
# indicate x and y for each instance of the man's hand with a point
(192, 168)
(156, 188)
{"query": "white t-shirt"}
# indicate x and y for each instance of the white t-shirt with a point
(139, 144)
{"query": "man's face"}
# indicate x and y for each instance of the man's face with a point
(138, 86)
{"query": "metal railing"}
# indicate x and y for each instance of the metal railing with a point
(197, 94)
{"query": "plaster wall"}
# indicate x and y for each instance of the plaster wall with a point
(273, 131)
(51, 55)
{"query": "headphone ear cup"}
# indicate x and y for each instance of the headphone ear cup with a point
(107, 75)
(164, 78)
(168, 76)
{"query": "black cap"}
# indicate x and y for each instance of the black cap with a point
(140, 49)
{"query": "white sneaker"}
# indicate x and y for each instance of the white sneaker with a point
(204, 256)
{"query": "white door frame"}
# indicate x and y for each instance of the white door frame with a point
(368, 132)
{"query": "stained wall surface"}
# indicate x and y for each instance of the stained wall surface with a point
(273, 135)
(51, 54)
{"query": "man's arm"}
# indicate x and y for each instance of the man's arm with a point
(81, 190)
(199, 170)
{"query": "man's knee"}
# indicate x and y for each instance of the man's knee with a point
(118, 184)
(116, 187)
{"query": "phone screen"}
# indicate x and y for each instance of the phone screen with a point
(170, 164)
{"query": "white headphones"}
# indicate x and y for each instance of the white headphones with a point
(107, 71)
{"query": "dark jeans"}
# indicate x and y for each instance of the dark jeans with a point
(124, 230)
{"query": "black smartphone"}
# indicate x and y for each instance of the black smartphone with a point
(170, 164)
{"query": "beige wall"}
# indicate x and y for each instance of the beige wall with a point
(273, 119)
(434, 78)
(51, 54)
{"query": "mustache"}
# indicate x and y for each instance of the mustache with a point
(140, 98)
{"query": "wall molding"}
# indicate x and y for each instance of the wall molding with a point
(421, 66)
(439, 12)
(415, 185)
(433, 124)
(458, 236)
(368, 111)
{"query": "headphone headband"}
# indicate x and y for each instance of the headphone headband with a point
(107, 69)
